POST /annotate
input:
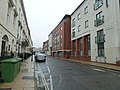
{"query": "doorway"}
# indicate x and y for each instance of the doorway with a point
(3, 49)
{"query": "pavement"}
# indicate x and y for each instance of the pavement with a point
(25, 80)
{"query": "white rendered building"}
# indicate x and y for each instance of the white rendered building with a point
(95, 31)
(14, 31)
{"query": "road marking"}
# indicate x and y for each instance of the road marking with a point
(48, 79)
(99, 70)
(118, 75)
(60, 81)
(46, 62)
(51, 84)
(45, 74)
(42, 74)
(48, 69)
(43, 79)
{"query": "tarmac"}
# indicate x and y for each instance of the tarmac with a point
(25, 80)
(99, 64)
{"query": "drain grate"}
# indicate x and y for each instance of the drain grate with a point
(5, 88)
(28, 77)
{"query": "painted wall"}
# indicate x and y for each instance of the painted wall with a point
(110, 27)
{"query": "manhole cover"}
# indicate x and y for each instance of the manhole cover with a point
(5, 88)
(28, 77)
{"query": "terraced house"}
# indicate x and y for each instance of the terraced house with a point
(95, 31)
(15, 34)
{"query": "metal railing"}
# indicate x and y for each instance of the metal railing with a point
(99, 21)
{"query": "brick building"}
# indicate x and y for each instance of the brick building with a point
(45, 46)
(61, 38)
(50, 44)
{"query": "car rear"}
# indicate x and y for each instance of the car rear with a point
(40, 57)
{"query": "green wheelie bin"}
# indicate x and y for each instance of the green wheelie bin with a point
(10, 68)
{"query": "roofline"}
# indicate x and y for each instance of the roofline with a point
(24, 12)
(23, 8)
(50, 34)
(78, 7)
(66, 15)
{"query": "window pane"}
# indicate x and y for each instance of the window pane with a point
(78, 28)
(86, 10)
(73, 22)
(101, 49)
(89, 52)
(78, 16)
(86, 24)
(81, 53)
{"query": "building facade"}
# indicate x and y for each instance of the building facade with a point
(95, 31)
(50, 44)
(15, 35)
(37, 50)
(45, 46)
(61, 38)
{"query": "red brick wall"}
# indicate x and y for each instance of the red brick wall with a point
(63, 29)
(78, 48)
(67, 33)
(84, 49)
(45, 45)
(73, 49)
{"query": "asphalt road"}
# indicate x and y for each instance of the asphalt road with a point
(57, 74)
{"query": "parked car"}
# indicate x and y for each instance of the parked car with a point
(40, 57)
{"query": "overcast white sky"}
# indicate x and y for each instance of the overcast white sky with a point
(44, 15)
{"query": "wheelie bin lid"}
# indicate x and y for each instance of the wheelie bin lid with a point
(12, 60)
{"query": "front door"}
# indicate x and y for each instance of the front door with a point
(3, 49)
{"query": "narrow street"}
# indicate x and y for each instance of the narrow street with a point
(58, 74)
